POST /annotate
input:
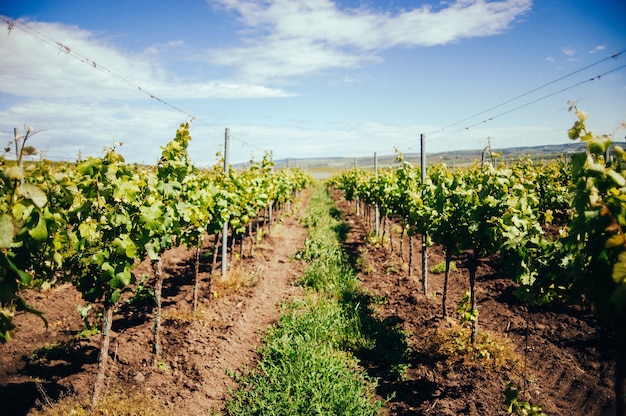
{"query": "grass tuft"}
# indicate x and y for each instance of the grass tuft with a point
(114, 404)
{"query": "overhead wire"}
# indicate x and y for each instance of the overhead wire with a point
(613, 56)
(13, 23)
(596, 77)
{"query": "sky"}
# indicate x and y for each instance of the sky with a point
(307, 78)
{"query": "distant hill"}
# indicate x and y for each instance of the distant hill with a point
(325, 167)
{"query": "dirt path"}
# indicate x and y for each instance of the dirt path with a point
(198, 350)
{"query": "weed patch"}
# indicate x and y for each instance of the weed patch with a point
(453, 346)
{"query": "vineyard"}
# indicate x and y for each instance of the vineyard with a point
(493, 289)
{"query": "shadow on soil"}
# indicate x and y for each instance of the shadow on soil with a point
(45, 368)
(389, 357)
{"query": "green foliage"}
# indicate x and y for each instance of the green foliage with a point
(94, 221)
(514, 405)
(465, 310)
(31, 225)
(596, 240)
(50, 352)
(441, 267)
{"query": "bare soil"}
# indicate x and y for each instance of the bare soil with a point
(568, 356)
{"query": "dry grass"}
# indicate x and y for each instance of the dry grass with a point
(114, 404)
(202, 315)
(237, 278)
(492, 352)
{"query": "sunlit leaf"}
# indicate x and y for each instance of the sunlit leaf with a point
(40, 231)
(619, 268)
(616, 177)
(614, 241)
(35, 194)
(6, 231)
(121, 280)
(599, 144)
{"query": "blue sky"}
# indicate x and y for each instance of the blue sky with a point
(310, 78)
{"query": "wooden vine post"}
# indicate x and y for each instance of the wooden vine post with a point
(225, 229)
(424, 234)
(376, 208)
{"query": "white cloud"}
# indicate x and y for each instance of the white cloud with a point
(291, 38)
(568, 51)
(598, 48)
(70, 127)
(51, 60)
(67, 127)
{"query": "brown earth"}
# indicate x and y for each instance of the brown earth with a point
(568, 357)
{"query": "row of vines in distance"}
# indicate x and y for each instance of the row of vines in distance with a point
(557, 228)
(92, 222)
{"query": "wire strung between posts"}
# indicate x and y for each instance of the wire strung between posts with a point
(613, 56)
(534, 101)
(12, 24)
(249, 144)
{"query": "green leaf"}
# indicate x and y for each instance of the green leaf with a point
(32, 192)
(6, 231)
(89, 230)
(6, 262)
(619, 268)
(115, 296)
(12, 172)
(616, 177)
(578, 162)
(121, 280)
(151, 216)
(6, 325)
(125, 246)
(614, 241)
(152, 249)
(598, 145)
(40, 232)
(125, 191)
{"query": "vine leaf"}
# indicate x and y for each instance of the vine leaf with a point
(32, 192)
(6, 231)
(40, 232)
(619, 269)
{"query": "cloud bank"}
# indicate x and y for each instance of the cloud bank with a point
(284, 38)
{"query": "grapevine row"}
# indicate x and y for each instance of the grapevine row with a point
(91, 223)
(558, 229)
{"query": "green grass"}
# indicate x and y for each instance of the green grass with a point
(309, 363)
(440, 268)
